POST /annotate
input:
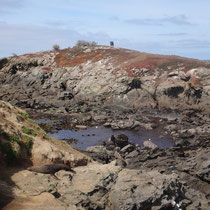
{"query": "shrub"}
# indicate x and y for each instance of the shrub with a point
(136, 83)
(56, 47)
(82, 43)
(14, 55)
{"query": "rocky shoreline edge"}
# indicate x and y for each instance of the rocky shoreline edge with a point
(119, 175)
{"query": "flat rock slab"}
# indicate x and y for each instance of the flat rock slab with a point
(44, 201)
(136, 190)
(94, 175)
(32, 183)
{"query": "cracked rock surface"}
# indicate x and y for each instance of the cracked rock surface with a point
(121, 89)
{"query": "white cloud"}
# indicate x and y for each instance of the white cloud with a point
(31, 38)
(29, 25)
(177, 20)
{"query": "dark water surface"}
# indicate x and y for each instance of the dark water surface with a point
(92, 136)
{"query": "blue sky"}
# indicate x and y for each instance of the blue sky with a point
(180, 27)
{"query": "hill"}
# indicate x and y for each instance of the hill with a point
(115, 87)
(69, 80)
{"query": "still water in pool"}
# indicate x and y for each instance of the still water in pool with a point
(92, 136)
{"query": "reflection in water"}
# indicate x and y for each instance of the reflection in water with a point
(92, 136)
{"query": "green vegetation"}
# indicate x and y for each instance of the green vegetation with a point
(24, 65)
(24, 115)
(28, 131)
(11, 138)
(8, 151)
(34, 63)
(125, 84)
(204, 76)
(11, 61)
(169, 65)
(26, 138)
(28, 143)
(7, 148)
(95, 108)
(136, 83)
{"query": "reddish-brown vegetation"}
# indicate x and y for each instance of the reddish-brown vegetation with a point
(46, 69)
(127, 60)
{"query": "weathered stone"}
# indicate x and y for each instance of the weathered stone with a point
(120, 162)
(134, 189)
(128, 148)
(150, 145)
(65, 95)
(96, 149)
(121, 140)
(81, 126)
(107, 89)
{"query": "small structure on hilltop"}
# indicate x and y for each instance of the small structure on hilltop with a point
(111, 43)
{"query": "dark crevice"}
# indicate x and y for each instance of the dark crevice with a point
(202, 179)
(194, 93)
(56, 195)
(195, 176)
(173, 92)
(3, 62)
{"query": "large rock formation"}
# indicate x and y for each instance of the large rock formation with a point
(83, 80)
(112, 86)
(23, 141)
(174, 178)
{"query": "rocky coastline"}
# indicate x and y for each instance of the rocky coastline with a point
(117, 88)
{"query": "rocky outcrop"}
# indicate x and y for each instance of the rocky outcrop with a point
(111, 187)
(81, 80)
(161, 179)
(23, 141)
(113, 87)
(116, 148)
(123, 176)
(146, 190)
